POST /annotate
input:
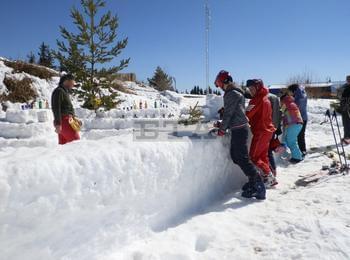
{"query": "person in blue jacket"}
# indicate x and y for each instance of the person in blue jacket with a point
(300, 96)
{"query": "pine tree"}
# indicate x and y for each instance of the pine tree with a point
(74, 62)
(31, 57)
(84, 53)
(45, 56)
(160, 80)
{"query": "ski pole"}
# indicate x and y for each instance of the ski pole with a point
(341, 143)
(328, 113)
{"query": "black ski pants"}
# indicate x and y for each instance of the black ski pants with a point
(240, 154)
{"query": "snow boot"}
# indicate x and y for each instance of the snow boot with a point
(255, 190)
(248, 185)
(295, 161)
(270, 181)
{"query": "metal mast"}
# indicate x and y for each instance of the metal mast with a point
(207, 29)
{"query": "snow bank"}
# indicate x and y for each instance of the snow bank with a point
(21, 116)
(173, 96)
(12, 130)
(26, 123)
(117, 187)
(43, 87)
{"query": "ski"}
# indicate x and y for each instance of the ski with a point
(319, 175)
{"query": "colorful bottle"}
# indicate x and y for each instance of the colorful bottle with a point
(155, 103)
(140, 104)
(40, 104)
(146, 105)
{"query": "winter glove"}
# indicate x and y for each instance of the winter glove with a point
(221, 133)
(274, 144)
(217, 124)
(281, 149)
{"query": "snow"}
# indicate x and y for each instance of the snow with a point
(174, 196)
(97, 194)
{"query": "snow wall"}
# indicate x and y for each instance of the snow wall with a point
(104, 192)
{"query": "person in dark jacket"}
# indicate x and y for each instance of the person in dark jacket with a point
(345, 109)
(298, 92)
(276, 120)
(63, 110)
(234, 119)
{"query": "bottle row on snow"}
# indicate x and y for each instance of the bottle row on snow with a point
(37, 104)
(144, 105)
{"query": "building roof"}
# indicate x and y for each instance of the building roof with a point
(312, 85)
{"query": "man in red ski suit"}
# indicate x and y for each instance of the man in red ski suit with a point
(259, 113)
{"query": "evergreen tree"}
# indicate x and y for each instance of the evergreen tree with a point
(193, 90)
(31, 57)
(160, 80)
(45, 56)
(84, 53)
(74, 61)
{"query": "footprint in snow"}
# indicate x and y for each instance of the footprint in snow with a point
(202, 243)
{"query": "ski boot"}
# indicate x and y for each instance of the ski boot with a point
(270, 181)
(248, 185)
(295, 161)
(255, 189)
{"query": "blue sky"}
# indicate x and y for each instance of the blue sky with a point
(268, 39)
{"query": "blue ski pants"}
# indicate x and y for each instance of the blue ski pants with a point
(290, 138)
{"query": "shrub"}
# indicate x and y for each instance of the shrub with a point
(18, 90)
(32, 69)
(195, 116)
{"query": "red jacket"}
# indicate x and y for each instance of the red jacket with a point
(259, 113)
